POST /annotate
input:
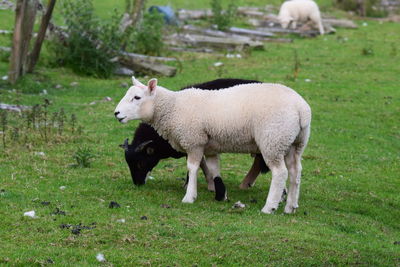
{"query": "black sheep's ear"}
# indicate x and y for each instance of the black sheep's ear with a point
(150, 151)
(140, 147)
(125, 144)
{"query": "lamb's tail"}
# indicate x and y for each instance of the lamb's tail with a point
(305, 128)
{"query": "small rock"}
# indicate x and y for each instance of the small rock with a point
(113, 205)
(124, 85)
(74, 84)
(92, 103)
(30, 214)
(218, 64)
(44, 92)
(62, 187)
(40, 154)
(4, 78)
(365, 24)
(107, 98)
(121, 220)
(166, 206)
(143, 218)
(58, 86)
(100, 257)
(238, 205)
(307, 80)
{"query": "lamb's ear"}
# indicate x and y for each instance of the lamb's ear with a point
(152, 84)
(136, 82)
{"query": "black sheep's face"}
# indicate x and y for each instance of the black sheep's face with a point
(141, 160)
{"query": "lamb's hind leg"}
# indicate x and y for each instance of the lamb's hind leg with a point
(293, 165)
(193, 163)
(293, 161)
(208, 175)
(279, 176)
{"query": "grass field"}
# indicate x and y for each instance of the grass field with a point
(349, 203)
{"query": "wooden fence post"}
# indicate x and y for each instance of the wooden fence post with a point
(25, 13)
(34, 55)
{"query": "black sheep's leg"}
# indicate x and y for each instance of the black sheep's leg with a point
(220, 189)
(213, 166)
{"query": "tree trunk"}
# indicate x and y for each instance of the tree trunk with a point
(25, 12)
(34, 56)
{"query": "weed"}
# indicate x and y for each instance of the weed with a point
(4, 122)
(148, 36)
(367, 51)
(83, 156)
(91, 43)
(296, 67)
(222, 18)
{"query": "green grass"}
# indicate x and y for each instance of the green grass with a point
(349, 204)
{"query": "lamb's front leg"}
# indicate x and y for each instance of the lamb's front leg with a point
(193, 163)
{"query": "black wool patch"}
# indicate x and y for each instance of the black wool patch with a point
(220, 190)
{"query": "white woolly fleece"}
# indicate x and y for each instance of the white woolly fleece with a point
(244, 119)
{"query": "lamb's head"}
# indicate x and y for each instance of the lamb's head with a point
(285, 21)
(137, 103)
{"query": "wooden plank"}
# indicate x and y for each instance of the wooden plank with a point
(147, 58)
(197, 40)
(340, 23)
(249, 32)
(185, 14)
(141, 65)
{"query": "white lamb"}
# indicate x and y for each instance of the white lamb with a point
(294, 11)
(252, 118)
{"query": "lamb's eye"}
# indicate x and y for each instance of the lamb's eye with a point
(137, 97)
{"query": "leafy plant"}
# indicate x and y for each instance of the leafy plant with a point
(83, 156)
(91, 42)
(147, 38)
(369, 8)
(222, 18)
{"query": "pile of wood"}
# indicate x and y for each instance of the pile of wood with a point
(267, 29)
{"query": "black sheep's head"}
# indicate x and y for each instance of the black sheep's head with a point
(141, 160)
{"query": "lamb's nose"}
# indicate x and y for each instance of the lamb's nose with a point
(116, 113)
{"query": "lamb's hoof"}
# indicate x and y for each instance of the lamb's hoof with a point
(245, 186)
(211, 187)
(268, 210)
(220, 190)
(189, 199)
(289, 209)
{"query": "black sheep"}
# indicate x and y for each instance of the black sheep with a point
(148, 148)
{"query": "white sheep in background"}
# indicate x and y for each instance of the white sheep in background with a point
(294, 11)
(252, 118)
